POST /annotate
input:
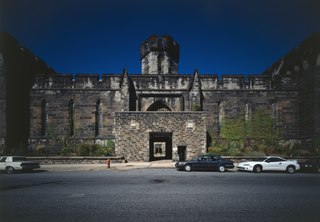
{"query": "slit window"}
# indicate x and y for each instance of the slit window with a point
(44, 118)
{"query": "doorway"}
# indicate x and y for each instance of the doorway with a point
(160, 146)
(182, 153)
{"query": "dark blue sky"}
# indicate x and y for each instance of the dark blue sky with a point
(215, 36)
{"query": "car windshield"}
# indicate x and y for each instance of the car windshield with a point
(17, 159)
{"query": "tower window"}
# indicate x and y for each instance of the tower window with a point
(159, 64)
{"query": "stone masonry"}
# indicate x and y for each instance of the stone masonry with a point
(132, 132)
(18, 67)
(3, 105)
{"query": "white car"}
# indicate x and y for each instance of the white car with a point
(272, 163)
(12, 163)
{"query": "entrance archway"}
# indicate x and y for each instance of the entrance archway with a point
(160, 146)
(159, 106)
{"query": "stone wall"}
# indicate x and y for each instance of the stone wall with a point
(132, 132)
(317, 100)
(220, 98)
(301, 67)
(19, 67)
(3, 105)
(94, 102)
(282, 105)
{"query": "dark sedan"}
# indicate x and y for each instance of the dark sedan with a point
(206, 162)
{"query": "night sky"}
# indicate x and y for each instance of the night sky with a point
(215, 36)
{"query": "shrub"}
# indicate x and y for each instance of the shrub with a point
(86, 149)
(67, 151)
(103, 150)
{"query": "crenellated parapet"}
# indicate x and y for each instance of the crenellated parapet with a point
(78, 81)
(258, 82)
(232, 82)
(162, 82)
(243, 82)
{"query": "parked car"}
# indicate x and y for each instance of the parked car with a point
(312, 165)
(206, 162)
(12, 163)
(272, 163)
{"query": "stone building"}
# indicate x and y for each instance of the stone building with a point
(18, 66)
(302, 66)
(160, 113)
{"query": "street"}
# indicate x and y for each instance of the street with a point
(159, 195)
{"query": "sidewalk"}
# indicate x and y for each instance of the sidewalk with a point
(113, 166)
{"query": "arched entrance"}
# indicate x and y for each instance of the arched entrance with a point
(159, 106)
(160, 144)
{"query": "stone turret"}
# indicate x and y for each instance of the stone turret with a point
(159, 55)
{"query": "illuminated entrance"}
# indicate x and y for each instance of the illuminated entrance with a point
(160, 146)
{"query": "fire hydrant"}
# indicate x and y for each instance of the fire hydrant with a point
(108, 162)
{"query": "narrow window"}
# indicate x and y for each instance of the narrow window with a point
(219, 116)
(44, 118)
(71, 118)
(98, 122)
(273, 115)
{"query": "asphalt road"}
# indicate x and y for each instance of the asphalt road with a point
(159, 195)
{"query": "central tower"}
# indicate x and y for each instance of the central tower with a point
(159, 55)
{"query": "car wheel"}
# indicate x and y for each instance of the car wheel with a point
(10, 170)
(187, 168)
(257, 169)
(222, 168)
(291, 169)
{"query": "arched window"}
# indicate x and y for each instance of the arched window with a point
(159, 106)
(71, 118)
(44, 118)
(98, 117)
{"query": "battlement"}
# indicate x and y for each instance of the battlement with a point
(242, 82)
(161, 82)
(78, 81)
